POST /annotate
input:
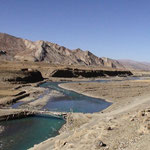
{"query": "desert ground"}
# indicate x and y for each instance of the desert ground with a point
(124, 125)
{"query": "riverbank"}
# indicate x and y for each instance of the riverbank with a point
(11, 114)
(117, 92)
(124, 125)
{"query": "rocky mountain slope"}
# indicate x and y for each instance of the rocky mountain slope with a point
(13, 48)
(135, 65)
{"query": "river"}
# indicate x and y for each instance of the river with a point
(22, 134)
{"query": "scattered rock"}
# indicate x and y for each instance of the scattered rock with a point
(100, 143)
(1, 129)
(132, 119)
(147, 110)
(148, 126)
(65, 143)
(2, 52)
(141, 113)
(109, 128)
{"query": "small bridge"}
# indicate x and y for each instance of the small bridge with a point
(51, 113)
(42, 112)
(21, 113)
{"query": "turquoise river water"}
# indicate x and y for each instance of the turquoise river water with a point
(22, 134)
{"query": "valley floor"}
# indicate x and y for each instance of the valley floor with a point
(125, 125)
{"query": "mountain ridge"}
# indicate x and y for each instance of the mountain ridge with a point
(135, 65)
(17, 49)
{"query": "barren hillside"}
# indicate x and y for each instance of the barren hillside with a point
(13, 48)
(135, 65)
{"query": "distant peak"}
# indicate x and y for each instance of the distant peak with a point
(88, 52)
(78, 49)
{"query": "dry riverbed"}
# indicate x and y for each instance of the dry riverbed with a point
(124, 125)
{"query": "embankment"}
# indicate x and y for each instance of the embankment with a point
(73, 73)
(21, 76)
(10, 114)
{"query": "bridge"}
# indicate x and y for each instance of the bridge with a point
(22, 113)
(28, 112)
(51, 113)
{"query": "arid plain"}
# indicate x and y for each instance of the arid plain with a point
(123, 125)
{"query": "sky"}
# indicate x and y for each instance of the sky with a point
(118, 29)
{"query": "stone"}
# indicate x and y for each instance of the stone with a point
(100, 143)
(109, 128)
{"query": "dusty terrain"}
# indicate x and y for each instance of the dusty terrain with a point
(115, 91)
(15, 76)
(124, 125)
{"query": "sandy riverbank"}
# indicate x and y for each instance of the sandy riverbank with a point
(117, 92)
(41, 102)
(124, 125)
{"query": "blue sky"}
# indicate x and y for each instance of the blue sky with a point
(118, 29)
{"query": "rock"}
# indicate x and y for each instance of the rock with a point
(109, 128)
(21, 76)
(148, 126)
(2, 52)
(132, 119)
(147, 110)
(141, 113)
(1, 129)
(41, 52)
(65, 143)
(100, 144)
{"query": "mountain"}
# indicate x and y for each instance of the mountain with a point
(13, 48)
(135, 65)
